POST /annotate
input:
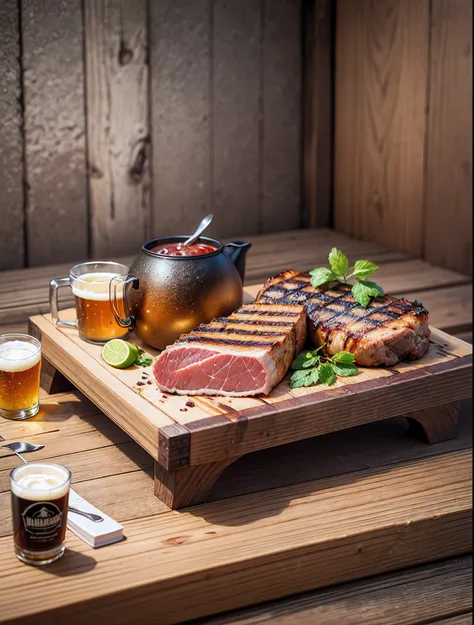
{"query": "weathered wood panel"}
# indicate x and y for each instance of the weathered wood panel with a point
(235, 110)
(53, 86)
(281, 158)
(381, 77)
(117, 125)
(179, 100)
(11, 146)
(318, 111)
(199, 100)
(414, 596)
(448, 211)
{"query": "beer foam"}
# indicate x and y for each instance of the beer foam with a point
(94, 286)
(18, 356)
(40, 481)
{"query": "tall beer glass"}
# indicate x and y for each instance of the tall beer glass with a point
(40, 495)
(90, 285)
(20, 364)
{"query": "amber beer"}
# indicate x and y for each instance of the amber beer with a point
(95, 319)
(40, 494)
(20, 364)
(90, 285)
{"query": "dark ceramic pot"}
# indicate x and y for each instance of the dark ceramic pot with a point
(166, 296)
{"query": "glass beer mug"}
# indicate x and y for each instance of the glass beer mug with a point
(90, 285)
(39, 495)
(20, 364)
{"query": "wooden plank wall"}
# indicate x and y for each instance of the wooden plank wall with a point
(12, 252)
(54, 131)
(121, 120)
(403, 126)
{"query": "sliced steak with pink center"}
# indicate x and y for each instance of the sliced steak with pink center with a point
(247, 353)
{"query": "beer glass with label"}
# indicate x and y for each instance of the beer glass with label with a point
(90, 285)
(20, 364)
(40, 495)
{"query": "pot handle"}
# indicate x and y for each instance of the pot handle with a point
(114, 285)
(237, 251)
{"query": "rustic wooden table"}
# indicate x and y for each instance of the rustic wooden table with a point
(179, 565)
(118, 583)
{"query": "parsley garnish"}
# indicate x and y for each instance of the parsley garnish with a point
(142, 359)
(340, 271)
(310, 368)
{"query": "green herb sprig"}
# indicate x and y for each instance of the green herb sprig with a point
(363, 290)
(310, 367)
(142, 359)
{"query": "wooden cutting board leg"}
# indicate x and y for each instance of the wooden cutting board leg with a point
(437, 424)
(189, 486)
(53, 380)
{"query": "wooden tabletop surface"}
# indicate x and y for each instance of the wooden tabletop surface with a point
(112, 472)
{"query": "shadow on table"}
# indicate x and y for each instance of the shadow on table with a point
(53, 409)
(72, 563)
(302, 468)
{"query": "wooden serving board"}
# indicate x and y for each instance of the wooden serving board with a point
(193, 439)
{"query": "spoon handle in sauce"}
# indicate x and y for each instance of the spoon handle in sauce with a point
(199, 230)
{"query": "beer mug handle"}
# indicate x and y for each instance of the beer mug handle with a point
(127, 322)
(54, 286)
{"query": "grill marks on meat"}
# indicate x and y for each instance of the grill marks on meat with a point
(384, 333)
(247, 353)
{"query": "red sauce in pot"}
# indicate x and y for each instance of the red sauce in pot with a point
(176, 249)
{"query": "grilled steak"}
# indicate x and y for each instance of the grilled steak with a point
(245, 354)
(384, 333)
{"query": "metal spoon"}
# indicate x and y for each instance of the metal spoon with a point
(23, 447)
(199, 230)
(89, 515)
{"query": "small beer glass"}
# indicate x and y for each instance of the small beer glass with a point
(20, 364)
(90, 285)
(40, 495)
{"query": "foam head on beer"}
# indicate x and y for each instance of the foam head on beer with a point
(36, 481)
(93, 286)
(16, 356)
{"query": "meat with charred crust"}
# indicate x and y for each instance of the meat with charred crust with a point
(386, 331)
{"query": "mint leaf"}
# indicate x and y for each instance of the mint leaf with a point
(314, 377)
(363, 290)
(376, 288)
(339, 263)
(301, 374)
(360, 294)
(326, 374)
(303, 377)
(301, 359)
(364, 268)
(343, 357)
(321, 276)
(311, 362)
(345, 370)
(310, 370)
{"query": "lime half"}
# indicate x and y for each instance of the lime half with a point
(120, 354)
